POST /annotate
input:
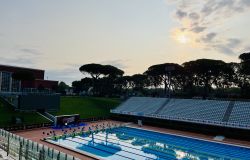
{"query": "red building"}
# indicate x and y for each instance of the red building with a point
(8, 84)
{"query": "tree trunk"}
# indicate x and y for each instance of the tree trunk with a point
(165, 86)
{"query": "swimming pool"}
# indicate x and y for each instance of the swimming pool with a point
(125, 143)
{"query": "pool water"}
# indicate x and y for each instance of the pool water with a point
(126, 143)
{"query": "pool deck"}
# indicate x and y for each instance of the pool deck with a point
(37, 136)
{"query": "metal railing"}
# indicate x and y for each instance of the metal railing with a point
(23, 127)
(23, 149)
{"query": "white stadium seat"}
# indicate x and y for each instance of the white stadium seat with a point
(189, 110)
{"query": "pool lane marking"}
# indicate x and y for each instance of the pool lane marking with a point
(110, 147)
(81, 152)
(158, 155)
(118, 140)
(97, 149)
(184, 148)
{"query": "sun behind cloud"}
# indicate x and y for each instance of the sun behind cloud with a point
(182, 38)
(185, 37)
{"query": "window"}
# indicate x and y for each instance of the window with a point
(5, 86)
(15, 85)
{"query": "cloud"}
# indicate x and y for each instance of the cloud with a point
(17, 61)
(198, 29)
(31, 51)
(18, 56)
(229, 46)
(67, 74)
(233, 42)
(119, 63)
(209, 37)
(245, 3)
(181, 14)
(71, 72)
(246, 49)
(200, 18)
(194, 16)
(224, 49)
(225, 8)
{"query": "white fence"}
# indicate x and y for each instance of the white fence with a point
(23, 149)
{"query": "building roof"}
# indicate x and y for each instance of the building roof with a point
(9, 66)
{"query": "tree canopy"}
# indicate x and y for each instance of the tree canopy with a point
(206, 72)
(94, 70)
(245, 57)
(165, 74)
(62, 86)
(103, 77)
(201, 77)
(97, 70)
(245, 64)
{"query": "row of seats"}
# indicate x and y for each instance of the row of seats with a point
(195, 110)
(240, 113)
(143, 105)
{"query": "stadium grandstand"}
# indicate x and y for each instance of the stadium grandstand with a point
(231, 114)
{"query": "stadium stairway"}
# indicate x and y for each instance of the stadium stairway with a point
(163, 105)
(47, 115)
(5, 98)
(228, 111)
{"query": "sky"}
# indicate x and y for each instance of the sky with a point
(61, 35)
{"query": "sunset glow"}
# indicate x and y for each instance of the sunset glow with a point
(61, 36)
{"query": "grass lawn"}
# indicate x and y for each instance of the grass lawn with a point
(87, 107)
(6, 114)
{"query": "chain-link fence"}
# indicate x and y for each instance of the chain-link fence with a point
(22, 149)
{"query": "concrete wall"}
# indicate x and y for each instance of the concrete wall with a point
(35, 102)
